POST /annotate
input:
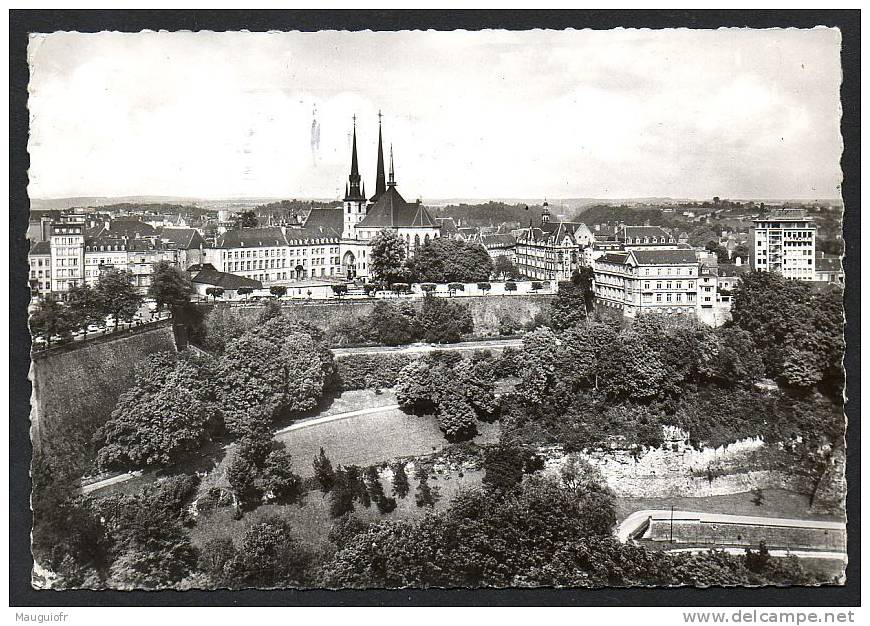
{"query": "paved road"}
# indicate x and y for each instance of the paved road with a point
(418, 348)
(637, 519)
(801, 554)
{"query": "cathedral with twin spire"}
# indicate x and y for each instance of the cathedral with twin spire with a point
(364, 217)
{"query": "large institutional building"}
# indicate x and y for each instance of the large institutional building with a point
(785, 242)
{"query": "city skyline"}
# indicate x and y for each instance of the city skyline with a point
(215, 115)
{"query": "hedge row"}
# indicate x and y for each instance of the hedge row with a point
(369, 371)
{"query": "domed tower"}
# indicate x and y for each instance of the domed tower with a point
(354, 197)
(545, 214)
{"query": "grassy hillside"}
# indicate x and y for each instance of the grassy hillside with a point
(75, 391)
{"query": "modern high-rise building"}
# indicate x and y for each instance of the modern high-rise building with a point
(784, 242)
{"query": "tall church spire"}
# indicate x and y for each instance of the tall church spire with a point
(380, 179)
(353, 191)
(392, 181)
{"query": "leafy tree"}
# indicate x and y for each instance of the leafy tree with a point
(166, 416)
(503, 467)
(323, 472)
(505, 268)
(278, 478)
(149, 546)
(85, 306)
(342, 494)
(169, 286)
(393, 324)
(443, 260)
(215, 292)
(452, 288)
(442, 321)
(387, 256)
(484, 287)
(279, 291)
(339, 290)
(476, 379)
(510, 286)
(585, 279)
(51, 318)
(419, 387)
(115, 289)
(245, 291)
(242, 475)
(426, 494)
(400, 479)
(246, 219)
(277, 367)
(456, 417)
(222, 325)
(214, 556)
(568, 308)
(721, 252)
(271, 556)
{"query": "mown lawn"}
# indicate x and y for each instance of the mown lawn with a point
(371, 439)
(777, 503)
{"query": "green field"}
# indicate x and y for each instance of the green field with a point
(372, 439)
(311, 520)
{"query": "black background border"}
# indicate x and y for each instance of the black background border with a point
(22, 22)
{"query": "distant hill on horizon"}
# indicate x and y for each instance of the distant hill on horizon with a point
(573, 204)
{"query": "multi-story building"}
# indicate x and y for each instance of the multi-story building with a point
(643, 281)
(830, 270)
(784, 241)
(553, 251)
(40, 268)
(67, 241)
(104, 253)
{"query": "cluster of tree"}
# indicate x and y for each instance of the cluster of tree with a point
(261, 469)
(490, 213)
(599, 381)
(168, 414)
(352, 484)
(114, 295)
(444, 260)
(457, 391)
(277, 368)
(796, 328)
(274, 369)
(439, 260)
(270, 555)
(606, 213)
(544, 532)
(120, 541)
(438, 320)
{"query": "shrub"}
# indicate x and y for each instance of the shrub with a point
(508, 363)
(536, 286)
(456, 417)
(370, 371)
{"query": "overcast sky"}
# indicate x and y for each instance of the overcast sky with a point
(488, 114)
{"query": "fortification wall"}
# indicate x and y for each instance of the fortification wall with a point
(76, 387)
(486, 311)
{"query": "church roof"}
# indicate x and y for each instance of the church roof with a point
(391, 210)
(320, 224)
